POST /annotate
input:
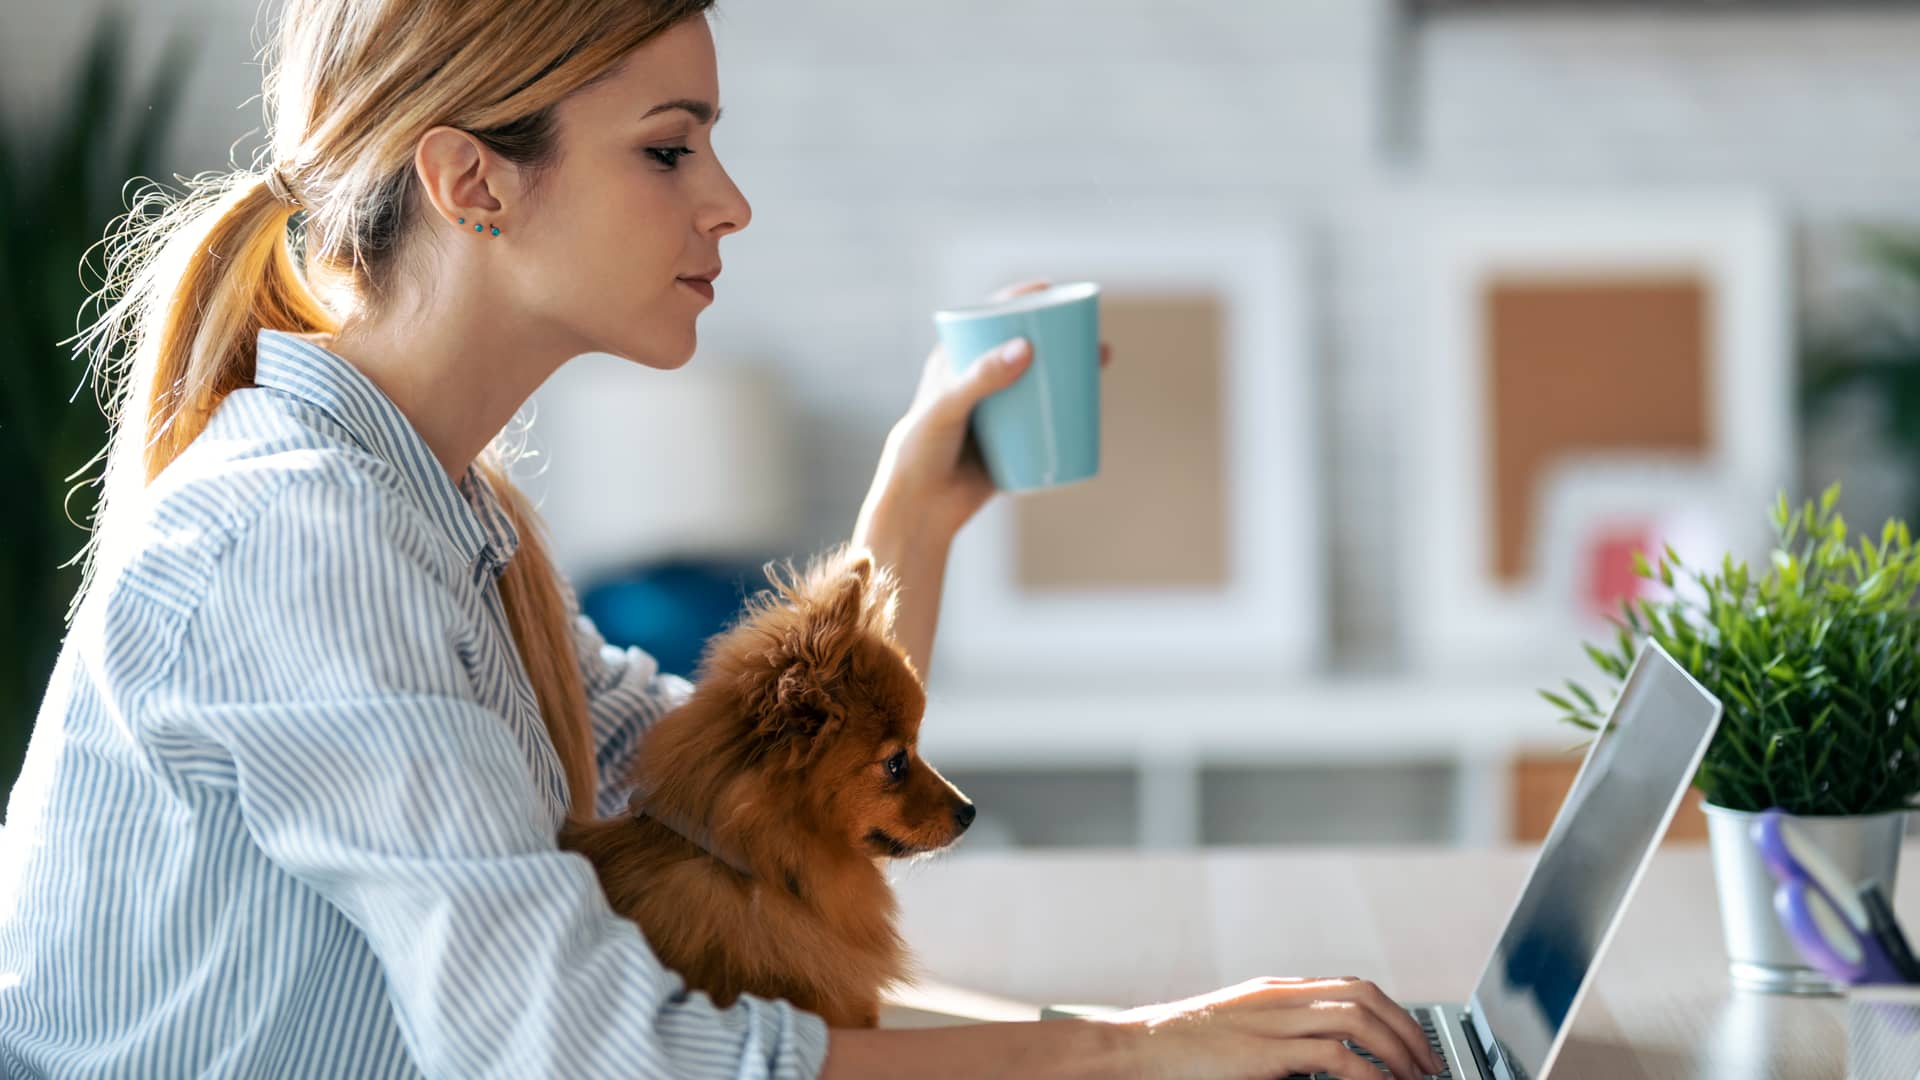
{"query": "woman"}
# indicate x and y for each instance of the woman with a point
(291, 800)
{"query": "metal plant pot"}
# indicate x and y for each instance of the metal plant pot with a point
(1760, 954)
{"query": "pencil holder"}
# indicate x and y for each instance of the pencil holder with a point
(1883, 1032)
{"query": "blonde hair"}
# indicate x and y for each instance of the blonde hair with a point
(351, 86)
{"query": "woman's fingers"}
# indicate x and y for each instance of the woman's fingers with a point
(988, 374)
(1352, 1020)
(1397, 1018)
(1279, 1025)
(1392, 1030)
(1317, 1056)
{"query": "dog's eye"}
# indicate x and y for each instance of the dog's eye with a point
(897, 765)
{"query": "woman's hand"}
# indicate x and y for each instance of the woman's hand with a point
(1258, 1030)
(1270, 1027)
(931, 481)
(931, 472)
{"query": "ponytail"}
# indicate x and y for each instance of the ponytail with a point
(240, 279)
(224, 270)
(542, 629)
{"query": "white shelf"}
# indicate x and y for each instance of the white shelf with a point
(1167, 736)
(1341, 719)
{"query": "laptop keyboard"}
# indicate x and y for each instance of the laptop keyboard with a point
(1425, 1016)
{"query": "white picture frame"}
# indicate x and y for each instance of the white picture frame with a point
(1458, 620)
(1270, 619)
(1689, 508)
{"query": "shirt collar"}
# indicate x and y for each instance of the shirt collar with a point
(469, 514)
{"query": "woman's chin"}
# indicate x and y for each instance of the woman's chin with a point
(654, 356)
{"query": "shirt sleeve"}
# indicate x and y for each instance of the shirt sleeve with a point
(626, 694)
(366, 768)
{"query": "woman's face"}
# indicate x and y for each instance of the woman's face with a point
(637, 203)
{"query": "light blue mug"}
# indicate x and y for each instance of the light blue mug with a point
(1044, 430)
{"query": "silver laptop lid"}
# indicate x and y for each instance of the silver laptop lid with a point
(1635, 774)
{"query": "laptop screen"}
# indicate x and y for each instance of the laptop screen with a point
(1635, 774)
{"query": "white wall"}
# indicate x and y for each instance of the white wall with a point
(855, 125)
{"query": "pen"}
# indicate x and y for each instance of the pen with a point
(1886, 930)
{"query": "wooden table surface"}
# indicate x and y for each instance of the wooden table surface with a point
(1127, 927)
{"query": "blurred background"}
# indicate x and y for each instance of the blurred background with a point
(1426, 316)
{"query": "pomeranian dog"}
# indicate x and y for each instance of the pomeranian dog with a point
(769, 803)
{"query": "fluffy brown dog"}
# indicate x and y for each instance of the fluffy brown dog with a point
(769, 803)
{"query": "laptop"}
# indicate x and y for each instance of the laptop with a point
(1635, 774)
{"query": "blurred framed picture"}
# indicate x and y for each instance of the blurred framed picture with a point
(1547, 331)
(1197, 548)
(1597, 515)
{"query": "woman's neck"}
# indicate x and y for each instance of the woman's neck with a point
(457, 387)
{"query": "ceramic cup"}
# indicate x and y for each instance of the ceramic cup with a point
(1044, 430)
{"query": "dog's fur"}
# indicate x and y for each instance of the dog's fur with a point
(782, 755)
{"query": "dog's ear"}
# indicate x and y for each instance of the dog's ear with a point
(847, 595)
(861, 594)
(799, 716)
(802, 705)
(845, 599)
(860, 563)
(815, 627)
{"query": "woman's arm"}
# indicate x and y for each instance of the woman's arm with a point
(931, 480)
(1041, 1049)
(917, 555)
(1254, 1030)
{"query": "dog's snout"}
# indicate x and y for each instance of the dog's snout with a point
(963, 814)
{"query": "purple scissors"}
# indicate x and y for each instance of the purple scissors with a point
(1820, 907)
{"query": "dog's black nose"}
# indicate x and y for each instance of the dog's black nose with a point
(964, 814)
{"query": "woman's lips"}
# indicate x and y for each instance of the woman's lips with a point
(704, 288)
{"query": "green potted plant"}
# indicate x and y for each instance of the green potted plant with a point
(61, 185)
(1816, 661)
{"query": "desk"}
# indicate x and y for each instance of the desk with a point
(1125, 927)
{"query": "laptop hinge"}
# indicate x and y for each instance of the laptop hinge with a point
(1473, 1043)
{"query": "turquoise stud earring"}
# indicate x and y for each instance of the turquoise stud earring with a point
(496, 229)
(476, 228)
(463, 221)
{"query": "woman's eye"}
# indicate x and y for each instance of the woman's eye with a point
(669, 155)
(897, 765)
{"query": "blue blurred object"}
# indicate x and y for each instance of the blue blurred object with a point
(670, 608)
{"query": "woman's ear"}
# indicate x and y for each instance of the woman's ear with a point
(454, 170)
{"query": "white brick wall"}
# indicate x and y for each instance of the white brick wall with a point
(854, 125)
(1821, 106)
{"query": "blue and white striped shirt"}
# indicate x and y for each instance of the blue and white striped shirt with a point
(289, 807)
